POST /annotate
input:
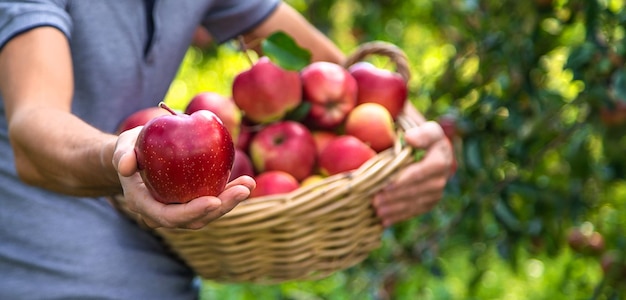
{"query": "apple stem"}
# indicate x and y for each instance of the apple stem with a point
(244, 49)
(164, 106)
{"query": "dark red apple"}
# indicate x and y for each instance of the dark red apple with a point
(286, 146)
(242, 165)
(273, 183)
(376, 85)
(330, 90)
(266, 92)
(182, 157)
(140, 118)
(224, 107)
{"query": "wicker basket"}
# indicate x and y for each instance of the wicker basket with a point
(304, 235)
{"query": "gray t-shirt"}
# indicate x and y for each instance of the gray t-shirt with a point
(56, 246)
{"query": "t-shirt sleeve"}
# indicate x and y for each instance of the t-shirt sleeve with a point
(228, 19)
(19, 16)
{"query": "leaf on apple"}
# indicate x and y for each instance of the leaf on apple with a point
(300, 112)
(418, 154)
(285, 52)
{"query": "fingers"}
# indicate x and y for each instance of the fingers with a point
(405, 208)
(418, 187)
(424, 135)
(245, 180)
(435, 164)
(194, 214)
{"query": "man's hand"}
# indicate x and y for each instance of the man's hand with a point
(418, 187)
(194, 214)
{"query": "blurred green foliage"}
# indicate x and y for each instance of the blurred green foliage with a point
(536, 91)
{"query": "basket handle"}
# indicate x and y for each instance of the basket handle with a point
(393, 52)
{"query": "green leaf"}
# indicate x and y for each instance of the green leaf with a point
(300, 112)
(418, 154)
(283, 50)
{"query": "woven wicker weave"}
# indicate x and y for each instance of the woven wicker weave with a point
(304, 235)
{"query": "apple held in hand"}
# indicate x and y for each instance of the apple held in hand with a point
(286, 146)
(224, 107)
(181, 157)
(332, 92)
(140, 118)
(266, 92)
(376, 85)
(372, 123)
(273, 183)
(344, 153)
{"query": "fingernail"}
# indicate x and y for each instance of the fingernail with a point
(243, 196)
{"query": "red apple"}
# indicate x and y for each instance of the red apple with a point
(140, 118)
(246, 132)
(344, 153)
(286, 146)
(224, 107)
(266, 92)
(242, 165)
(376, 85)
(448, 124)
(322, 138)
(181, 157)
(332, 92)
(372, 123)
(273, 183)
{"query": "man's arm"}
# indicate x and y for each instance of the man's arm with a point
(53, 148)
(287, 19)
(56, 150)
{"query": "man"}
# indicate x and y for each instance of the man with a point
(69, 72)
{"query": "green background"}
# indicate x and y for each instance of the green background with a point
(526, 84)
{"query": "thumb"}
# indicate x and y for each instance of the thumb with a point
(124, 157)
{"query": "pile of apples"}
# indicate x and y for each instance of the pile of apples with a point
(300, 126)
(292, 128)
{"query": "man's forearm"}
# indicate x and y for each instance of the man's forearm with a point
(57, 151)
(52, 148)
(287, 19)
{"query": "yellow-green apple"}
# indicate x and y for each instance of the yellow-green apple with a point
(181, 157)
(330, 90)
(380, 86)
(224, 107)
(242, 165)
(266, 92)
(371, 123)
(286, 146)
(344, 153)
(140, 118)
(273, 183)
(313, 179)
